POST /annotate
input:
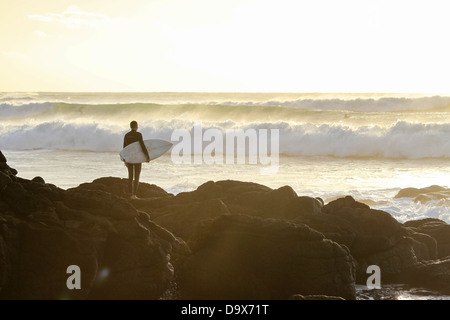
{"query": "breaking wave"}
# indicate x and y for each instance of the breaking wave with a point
(401, 140)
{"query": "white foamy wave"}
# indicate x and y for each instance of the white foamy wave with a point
(184, 186)
(325, 102)
(406, 209)
(60, 135)
(402, 140)
(17, 97)
(33, 110)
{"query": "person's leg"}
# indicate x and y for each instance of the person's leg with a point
(137, 173)
(130, 178)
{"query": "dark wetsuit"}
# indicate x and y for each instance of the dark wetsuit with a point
(134, 168)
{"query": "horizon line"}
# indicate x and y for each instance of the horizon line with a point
(242, 92)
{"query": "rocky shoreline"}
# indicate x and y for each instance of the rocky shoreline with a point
(225, 240)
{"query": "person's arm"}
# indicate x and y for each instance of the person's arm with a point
(124, 145)
(144, 148)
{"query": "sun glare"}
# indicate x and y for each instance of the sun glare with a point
(237, 45)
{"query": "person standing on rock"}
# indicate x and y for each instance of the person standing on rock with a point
(134, 169)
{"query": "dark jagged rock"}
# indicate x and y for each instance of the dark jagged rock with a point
(414, 192)
(2, 158)
(425, 246)
(372, 236)
(185, 211)
(36, 255)
(346, 202)
(4, 167)
(435, 228)
(182, 213)
(281, 203)
(243, 257)
(25, 197)
(121, 253)
(434, 274)
(248, 242)
(99, 203)
(183, 220)
(424, 195)
(119, 187)
(5, 180)
(38, 180)
(255, 199)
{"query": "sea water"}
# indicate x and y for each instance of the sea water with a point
(365, 145)
(330, 145)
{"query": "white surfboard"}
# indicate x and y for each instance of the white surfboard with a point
(155, 147)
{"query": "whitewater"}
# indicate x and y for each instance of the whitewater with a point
(366, 145)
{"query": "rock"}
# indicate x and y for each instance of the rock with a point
(434, 274)
(119, 187)
(2, 157)
(179, 250)
(151, 197)
(346, 202)
(372, 236)
(420, 222)
(18, 199)
(182, 213)
(425, 195)
(247, 241)
(255, 199)
(36, 257)
(122, 254)
(243, 257)
(99, 203)
(183, 220)
(4, 180)
(26, 197)
(136, 262)
(209, 190)
(425, 246)
(414, 192)
(38, 180)
(437, 229)
(281, 203)
(5, 168)
(128, 263)
(155, 206)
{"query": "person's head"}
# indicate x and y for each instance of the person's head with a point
(134, 125)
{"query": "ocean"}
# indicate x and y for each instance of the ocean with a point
(366, 145)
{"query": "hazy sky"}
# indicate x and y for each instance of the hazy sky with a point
(226, 45)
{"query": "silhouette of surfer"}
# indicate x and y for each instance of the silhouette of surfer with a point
(134, 169)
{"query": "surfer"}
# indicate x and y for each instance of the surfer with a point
(134, 169)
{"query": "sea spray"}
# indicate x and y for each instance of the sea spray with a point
(402, 140)
(366, 145)
(228, 147)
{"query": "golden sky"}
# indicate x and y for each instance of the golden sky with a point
(225, 45)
